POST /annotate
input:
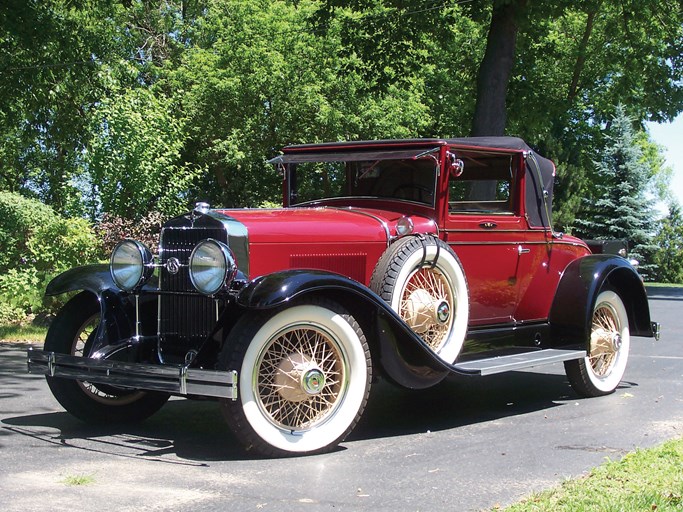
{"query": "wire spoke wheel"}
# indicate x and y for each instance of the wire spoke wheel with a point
(422, 279)
(73, 332)
(601, 371)
(300, 377)
(605, 339)
(99, 392)
(304, 377)
(426, 302)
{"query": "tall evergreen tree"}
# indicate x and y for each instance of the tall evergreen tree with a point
(622, 206)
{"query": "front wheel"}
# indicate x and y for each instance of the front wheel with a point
(304, 378)
(71, 333)
(601, 371)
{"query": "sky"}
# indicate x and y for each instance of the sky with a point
(670, 136)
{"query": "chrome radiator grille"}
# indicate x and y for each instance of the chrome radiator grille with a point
(185, 317)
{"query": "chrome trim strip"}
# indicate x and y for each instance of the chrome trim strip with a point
(170, 379)
(518, 242)
(489, 231)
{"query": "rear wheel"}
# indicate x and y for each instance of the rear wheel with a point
(304, 378)
(601, 371)
(71, 333)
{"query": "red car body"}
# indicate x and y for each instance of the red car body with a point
(409, 260)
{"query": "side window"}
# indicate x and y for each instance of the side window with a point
(485, 186)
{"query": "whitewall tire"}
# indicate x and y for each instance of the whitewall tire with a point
(304, 378)
(422, 279)
(601, 371)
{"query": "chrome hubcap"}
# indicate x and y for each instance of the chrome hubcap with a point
(443, 312)
(313, 381)
(616, 341)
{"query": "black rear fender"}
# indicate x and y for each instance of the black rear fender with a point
(572, 309)
(400, 352)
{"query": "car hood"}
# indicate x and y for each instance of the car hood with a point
(320, 225)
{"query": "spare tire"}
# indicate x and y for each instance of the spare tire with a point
(422, 279)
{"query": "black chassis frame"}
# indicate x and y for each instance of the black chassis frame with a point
(122, 355)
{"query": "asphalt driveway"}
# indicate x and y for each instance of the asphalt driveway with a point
(464, 445)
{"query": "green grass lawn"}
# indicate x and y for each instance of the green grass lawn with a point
(644, 480)
(22, 333)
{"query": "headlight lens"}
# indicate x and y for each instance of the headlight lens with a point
(212, 266)
(130, 264)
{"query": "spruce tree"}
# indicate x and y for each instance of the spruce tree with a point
(621, 206)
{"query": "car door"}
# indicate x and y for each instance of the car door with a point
(486, 231)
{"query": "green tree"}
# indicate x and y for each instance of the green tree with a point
(669, 241)
(259, 78)
(622, 206)
(53, 68)
(133, 158)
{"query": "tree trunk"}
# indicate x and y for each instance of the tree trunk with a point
(581, 55)
(495, 69)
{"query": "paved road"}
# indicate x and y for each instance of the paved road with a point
(461, 446)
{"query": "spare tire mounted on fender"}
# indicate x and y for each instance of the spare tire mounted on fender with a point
(424, 282)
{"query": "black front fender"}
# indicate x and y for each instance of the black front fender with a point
(572, 309)
(117, 308)
(404, 355)
(91, 278)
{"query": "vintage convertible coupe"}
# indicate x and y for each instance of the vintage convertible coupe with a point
(409, 260)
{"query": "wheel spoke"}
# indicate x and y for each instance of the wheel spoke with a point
(426, 288)
(605, 331)
(286, 359)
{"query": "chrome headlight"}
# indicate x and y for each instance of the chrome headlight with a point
(212, 266)
(130, 264)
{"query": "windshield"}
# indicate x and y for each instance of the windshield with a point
(407, 179)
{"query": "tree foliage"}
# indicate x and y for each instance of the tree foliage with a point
(126, 106)
(133, 158)
(668, 259)
(35, 245)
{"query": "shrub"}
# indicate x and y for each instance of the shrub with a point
(35, 245)
(19, 219)
(112, 229)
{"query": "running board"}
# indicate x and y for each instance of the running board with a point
(520, 361)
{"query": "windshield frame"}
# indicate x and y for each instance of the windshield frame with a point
(359, 165)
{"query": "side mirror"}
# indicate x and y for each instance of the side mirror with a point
(454, 165)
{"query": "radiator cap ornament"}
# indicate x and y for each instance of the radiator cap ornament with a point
(202, 207)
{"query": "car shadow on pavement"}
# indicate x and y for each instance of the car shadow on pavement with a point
(194, 432)
(455, 403)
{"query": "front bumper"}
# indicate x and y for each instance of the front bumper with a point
(177, 380)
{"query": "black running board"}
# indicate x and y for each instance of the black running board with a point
(523, 361)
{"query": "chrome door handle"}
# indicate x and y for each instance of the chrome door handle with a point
(521, 250)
